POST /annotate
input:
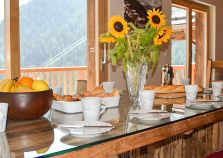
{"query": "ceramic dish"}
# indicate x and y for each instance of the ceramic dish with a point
(111, 102)
(76, 107)
(67, 107)
(87, 131)
(150, 116)
(201, 106)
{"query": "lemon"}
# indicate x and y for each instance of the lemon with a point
(42, 151)
(40, 85)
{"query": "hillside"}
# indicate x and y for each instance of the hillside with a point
(50, 28)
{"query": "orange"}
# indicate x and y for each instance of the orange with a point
(25, 81)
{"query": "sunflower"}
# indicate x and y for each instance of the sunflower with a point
(118, 26)
(163, 36)
(107, 38)
(156, 18)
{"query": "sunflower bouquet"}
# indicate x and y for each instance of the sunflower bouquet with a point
(134, 44)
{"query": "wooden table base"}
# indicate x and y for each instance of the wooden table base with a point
(198, 144)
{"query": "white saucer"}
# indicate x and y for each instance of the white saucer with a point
(87, 131)
(150, 116)
(202, 106)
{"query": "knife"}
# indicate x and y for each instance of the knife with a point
(200, 101)
(150, 112)
(83, 126)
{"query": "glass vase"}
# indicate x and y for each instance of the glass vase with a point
(135, 77)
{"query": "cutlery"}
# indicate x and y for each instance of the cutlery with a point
(200, 101)
(220, 96)
(149, 112)
(83, 126)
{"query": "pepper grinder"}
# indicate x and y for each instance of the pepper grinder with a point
(167, 75)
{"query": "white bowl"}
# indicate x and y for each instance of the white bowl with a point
(111, 102)
(67, 107)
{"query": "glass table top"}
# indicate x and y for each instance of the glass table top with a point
(52, 140)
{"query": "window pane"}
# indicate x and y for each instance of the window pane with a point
(2, 49)
(179, 43)
(53, 33)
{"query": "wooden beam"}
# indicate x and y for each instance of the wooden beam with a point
(102, 28)
(191, 4)
(12, 42)
(91, 74)
(189, 44)
(217, 64)
(200, 49)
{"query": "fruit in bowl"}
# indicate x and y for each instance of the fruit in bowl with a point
(25, 102)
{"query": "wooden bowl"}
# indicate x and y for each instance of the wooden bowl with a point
(27, 105)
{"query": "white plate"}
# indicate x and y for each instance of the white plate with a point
(202, 106)
(111, 102)
(145, 111)
(150, 116)
(67, 107)
(87, 131)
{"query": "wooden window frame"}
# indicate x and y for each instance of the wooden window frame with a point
(189, 5)
(12, 39)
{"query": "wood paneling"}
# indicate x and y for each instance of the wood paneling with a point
(12, 44)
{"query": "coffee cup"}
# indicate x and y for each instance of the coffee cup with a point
(3, 116)
(191, 92)
(108, 86)
(92, 108)
(217, 88)
(146, 98)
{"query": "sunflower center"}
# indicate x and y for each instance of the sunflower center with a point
(164, 33)
(118, 26)
(156, 19)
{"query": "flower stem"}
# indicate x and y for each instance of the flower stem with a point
(130, 47)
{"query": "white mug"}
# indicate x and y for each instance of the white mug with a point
(92, 108)
(3, 116)
(146, 99)
(217, 88)
(108, 86)
(191, 92)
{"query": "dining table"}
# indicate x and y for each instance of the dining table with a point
(186, 131)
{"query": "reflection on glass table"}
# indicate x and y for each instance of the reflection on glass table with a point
(119, 117)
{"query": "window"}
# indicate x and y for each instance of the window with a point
(54, 36)
(2, 48)
(54, 41)
(189, 44)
